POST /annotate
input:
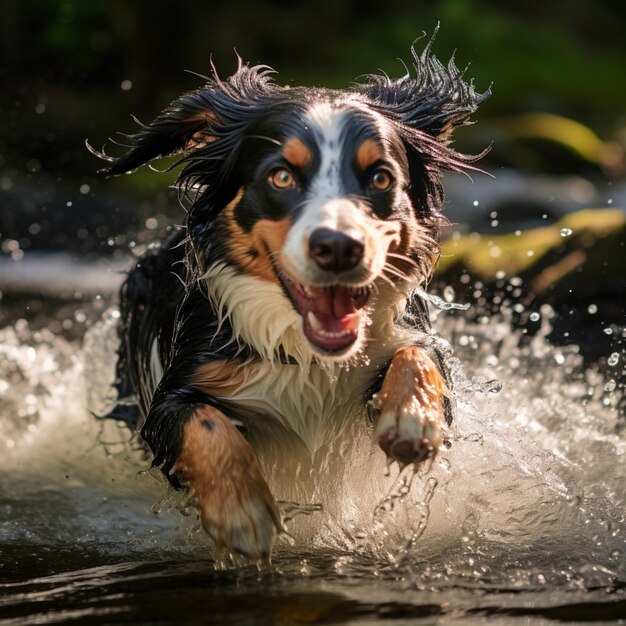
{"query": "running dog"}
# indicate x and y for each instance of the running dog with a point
(292, 298)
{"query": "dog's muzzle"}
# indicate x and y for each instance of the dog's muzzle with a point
(331, 315)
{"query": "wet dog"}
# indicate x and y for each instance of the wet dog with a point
(288, 301)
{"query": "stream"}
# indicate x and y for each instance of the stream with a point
(521, 518)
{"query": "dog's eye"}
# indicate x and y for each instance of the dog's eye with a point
(282, 178)
(381, 180)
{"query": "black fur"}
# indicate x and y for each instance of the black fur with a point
(213, 129)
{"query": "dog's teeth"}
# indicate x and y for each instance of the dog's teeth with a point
(314, 322)
(307, 292)
(358, 291)
(329, 335)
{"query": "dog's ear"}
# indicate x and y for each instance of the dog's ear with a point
(435, 100)
(424, 107)
(194, 120)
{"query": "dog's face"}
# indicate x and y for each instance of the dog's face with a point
(321, 209)
(311, 207)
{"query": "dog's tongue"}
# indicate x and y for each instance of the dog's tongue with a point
(331, 316)
(334, 302)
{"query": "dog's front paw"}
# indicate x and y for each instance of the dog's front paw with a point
(410, 436)
(411, 422)
(237, 508)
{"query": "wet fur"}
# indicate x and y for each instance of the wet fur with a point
(209, 294)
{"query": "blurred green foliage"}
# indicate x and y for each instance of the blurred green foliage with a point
(72, 69)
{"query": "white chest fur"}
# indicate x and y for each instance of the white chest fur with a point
(314, 395)
(314, 401)
(307, 401)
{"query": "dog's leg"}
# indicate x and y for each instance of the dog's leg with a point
(236, 506)
(190, 436)
(409, 429)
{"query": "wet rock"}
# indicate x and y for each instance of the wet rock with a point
(576, 265)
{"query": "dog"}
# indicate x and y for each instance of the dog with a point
(287, 303)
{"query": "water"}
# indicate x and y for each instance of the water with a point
(520, 519)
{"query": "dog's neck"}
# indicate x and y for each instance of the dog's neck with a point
(262, 318)
(307, 394)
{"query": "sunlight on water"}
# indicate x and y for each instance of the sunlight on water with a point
(527, 493)
(67, 478)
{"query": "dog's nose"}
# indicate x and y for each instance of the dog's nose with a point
(335, 251)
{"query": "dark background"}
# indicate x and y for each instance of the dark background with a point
(72, 70)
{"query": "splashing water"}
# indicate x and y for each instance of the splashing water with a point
(438, 302)
(526, 497)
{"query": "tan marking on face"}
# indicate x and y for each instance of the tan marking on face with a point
(413, 240)
(224, 474)
(368, 153)
(399, 248)
(252, 250)
(297, 153)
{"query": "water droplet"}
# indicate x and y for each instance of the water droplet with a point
(566, 232)
(492, 386)
(613, 359)
(592, 309)
(491, 360)
(476, 203)
(608, 331)
(535, 317)
(610, 385)
(448, 293)
(439, 303)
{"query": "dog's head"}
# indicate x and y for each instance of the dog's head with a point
(311, 211)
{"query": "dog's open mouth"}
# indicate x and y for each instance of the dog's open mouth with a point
(331, 316)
